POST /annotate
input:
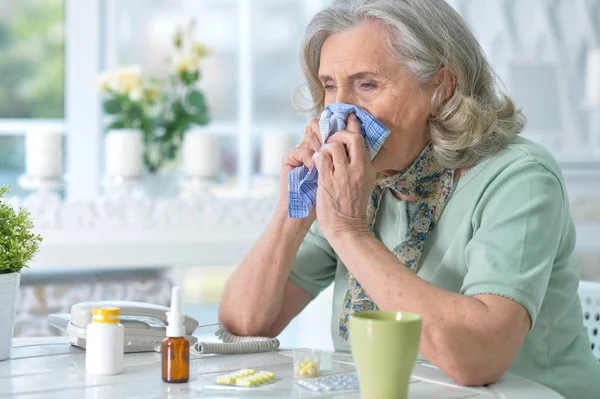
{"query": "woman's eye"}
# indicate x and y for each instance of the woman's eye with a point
(367, 85)
(329, 87)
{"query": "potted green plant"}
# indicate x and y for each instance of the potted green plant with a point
(131, 104)
(18, 246)
(183, 103)
(147, 118)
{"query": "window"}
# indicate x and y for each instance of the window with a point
(32, 63)
(542, 53)
(250, 77)
(12, 160)
(31, 77)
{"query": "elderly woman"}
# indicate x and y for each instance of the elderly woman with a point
(456, 218)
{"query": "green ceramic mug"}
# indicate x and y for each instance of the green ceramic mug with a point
(385, 347)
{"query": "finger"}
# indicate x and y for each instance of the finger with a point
(313, 142)
(355, 144)
(308, 128)
(299, 157)
(338, 155)
(315, 129)
(324, 164)
(353, 123)
(312, 127)
(312, 136)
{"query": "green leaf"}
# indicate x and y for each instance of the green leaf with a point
(116, 124)
(111, 107)
(196, 76)
(4, 189)
(134, 113)
(200, 119)
(189, 78)
(178, 110)
(18, 244)
(196, 100)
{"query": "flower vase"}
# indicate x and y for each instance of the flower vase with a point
(9, 288)
(162, 183)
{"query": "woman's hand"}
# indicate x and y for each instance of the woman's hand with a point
(346, 178)
(300, 155)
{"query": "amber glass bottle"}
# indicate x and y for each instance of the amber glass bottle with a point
(175, 348)
(175, 359)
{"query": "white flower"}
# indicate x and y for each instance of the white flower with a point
(123, 80)
(113, 81)
(200, 50)
(186, 63)
(103, 82)
(135, 94)
(134, 70)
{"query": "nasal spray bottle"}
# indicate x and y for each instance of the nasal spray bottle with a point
(175, 348)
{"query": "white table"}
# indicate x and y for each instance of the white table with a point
(51, 368)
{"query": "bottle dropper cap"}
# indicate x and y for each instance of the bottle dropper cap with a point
(175, 317)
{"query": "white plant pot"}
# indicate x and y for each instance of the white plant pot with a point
(274, 145)
(9, 287)
(201, 156)
(124, 153)
(44, 155)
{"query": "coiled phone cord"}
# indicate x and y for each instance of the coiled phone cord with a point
(232, 344)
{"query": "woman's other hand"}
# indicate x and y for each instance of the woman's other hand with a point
(346, 178)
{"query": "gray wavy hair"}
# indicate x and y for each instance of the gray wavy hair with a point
(425, 35)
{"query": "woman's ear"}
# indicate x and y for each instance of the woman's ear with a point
(446, 78)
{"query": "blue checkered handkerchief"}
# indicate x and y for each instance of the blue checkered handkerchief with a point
(302, 184)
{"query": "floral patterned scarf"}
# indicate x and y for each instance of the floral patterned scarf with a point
(426, 183)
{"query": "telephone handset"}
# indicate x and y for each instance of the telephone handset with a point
(81, 313)
(145, 328)
(144, 323)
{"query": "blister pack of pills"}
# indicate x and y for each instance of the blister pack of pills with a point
(336, 382)
(246, 378)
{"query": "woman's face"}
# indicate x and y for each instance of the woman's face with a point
(356, 68)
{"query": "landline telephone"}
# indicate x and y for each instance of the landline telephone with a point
(145, 328)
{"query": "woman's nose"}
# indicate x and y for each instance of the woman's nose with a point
(344, 95)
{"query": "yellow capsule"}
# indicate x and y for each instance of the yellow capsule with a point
(244, 382)
(225, 380)
(268, 374)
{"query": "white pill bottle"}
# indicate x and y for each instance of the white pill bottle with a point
(104, 342)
